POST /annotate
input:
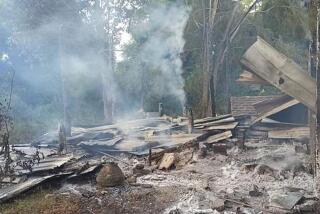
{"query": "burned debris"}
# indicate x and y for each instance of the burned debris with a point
(155, 106)
(214, 172)
(253, 160)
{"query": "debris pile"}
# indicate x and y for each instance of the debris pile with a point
(249, 161)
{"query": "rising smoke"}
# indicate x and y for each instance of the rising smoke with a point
(163, 32)
(44, 38)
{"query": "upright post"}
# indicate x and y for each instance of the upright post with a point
(190, 121)
(160, 109)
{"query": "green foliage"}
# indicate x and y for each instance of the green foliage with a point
(285, 18)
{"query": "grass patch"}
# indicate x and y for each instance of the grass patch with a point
(37, 202)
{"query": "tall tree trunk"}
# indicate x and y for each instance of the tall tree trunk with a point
(209, 8)
(314, 29)
(318, 102)
(312, 67)
(228, 37)
(64, 91)
(143, 87)
(312, 115)
(222, 47)
(226, 88)
(108, 97)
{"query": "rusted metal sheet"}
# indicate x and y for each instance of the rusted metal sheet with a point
(47, 164)
(91, 170)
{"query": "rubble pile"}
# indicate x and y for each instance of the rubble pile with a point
(249, 161)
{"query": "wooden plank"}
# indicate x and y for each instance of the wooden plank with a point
(267, 108)
(219, 137)
(211, 119)
(156, 155)
(250, 78)
(228, 126)
(280, 71)
(222, 121)
(292, 133)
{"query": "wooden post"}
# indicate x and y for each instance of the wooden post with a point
(241, 137)
(150, 157)
(64, 90)
(62, 139)
(190, 123)
(160, 109)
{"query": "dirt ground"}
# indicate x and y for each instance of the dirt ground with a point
(194, 185)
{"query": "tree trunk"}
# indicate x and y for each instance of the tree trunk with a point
(229, 35)
(222, 47)
(64, 91)
(314, 68)
(226, 83)
(312, 115)
(209, 8)
(317, 103)
(108, 98)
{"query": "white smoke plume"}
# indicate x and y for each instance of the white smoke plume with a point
(164, 31)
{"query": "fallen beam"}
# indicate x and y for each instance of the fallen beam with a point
(280, 71)
(218, 122)
(211, 119)
(228, 126)
(219, 137)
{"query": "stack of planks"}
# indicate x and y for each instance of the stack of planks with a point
(221, 126)
(223, 122)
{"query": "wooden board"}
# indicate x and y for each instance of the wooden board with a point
(267, 108)
(280, 71)
(222, 121)
(292, 133)
(211, 119)
(250, 78)
(228, 126)
(219, 137)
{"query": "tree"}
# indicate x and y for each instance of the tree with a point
(209, 9)
(314, 15)
(6, 122)
(312, 67)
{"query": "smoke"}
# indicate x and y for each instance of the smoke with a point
(163, 34)
(45, 39)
